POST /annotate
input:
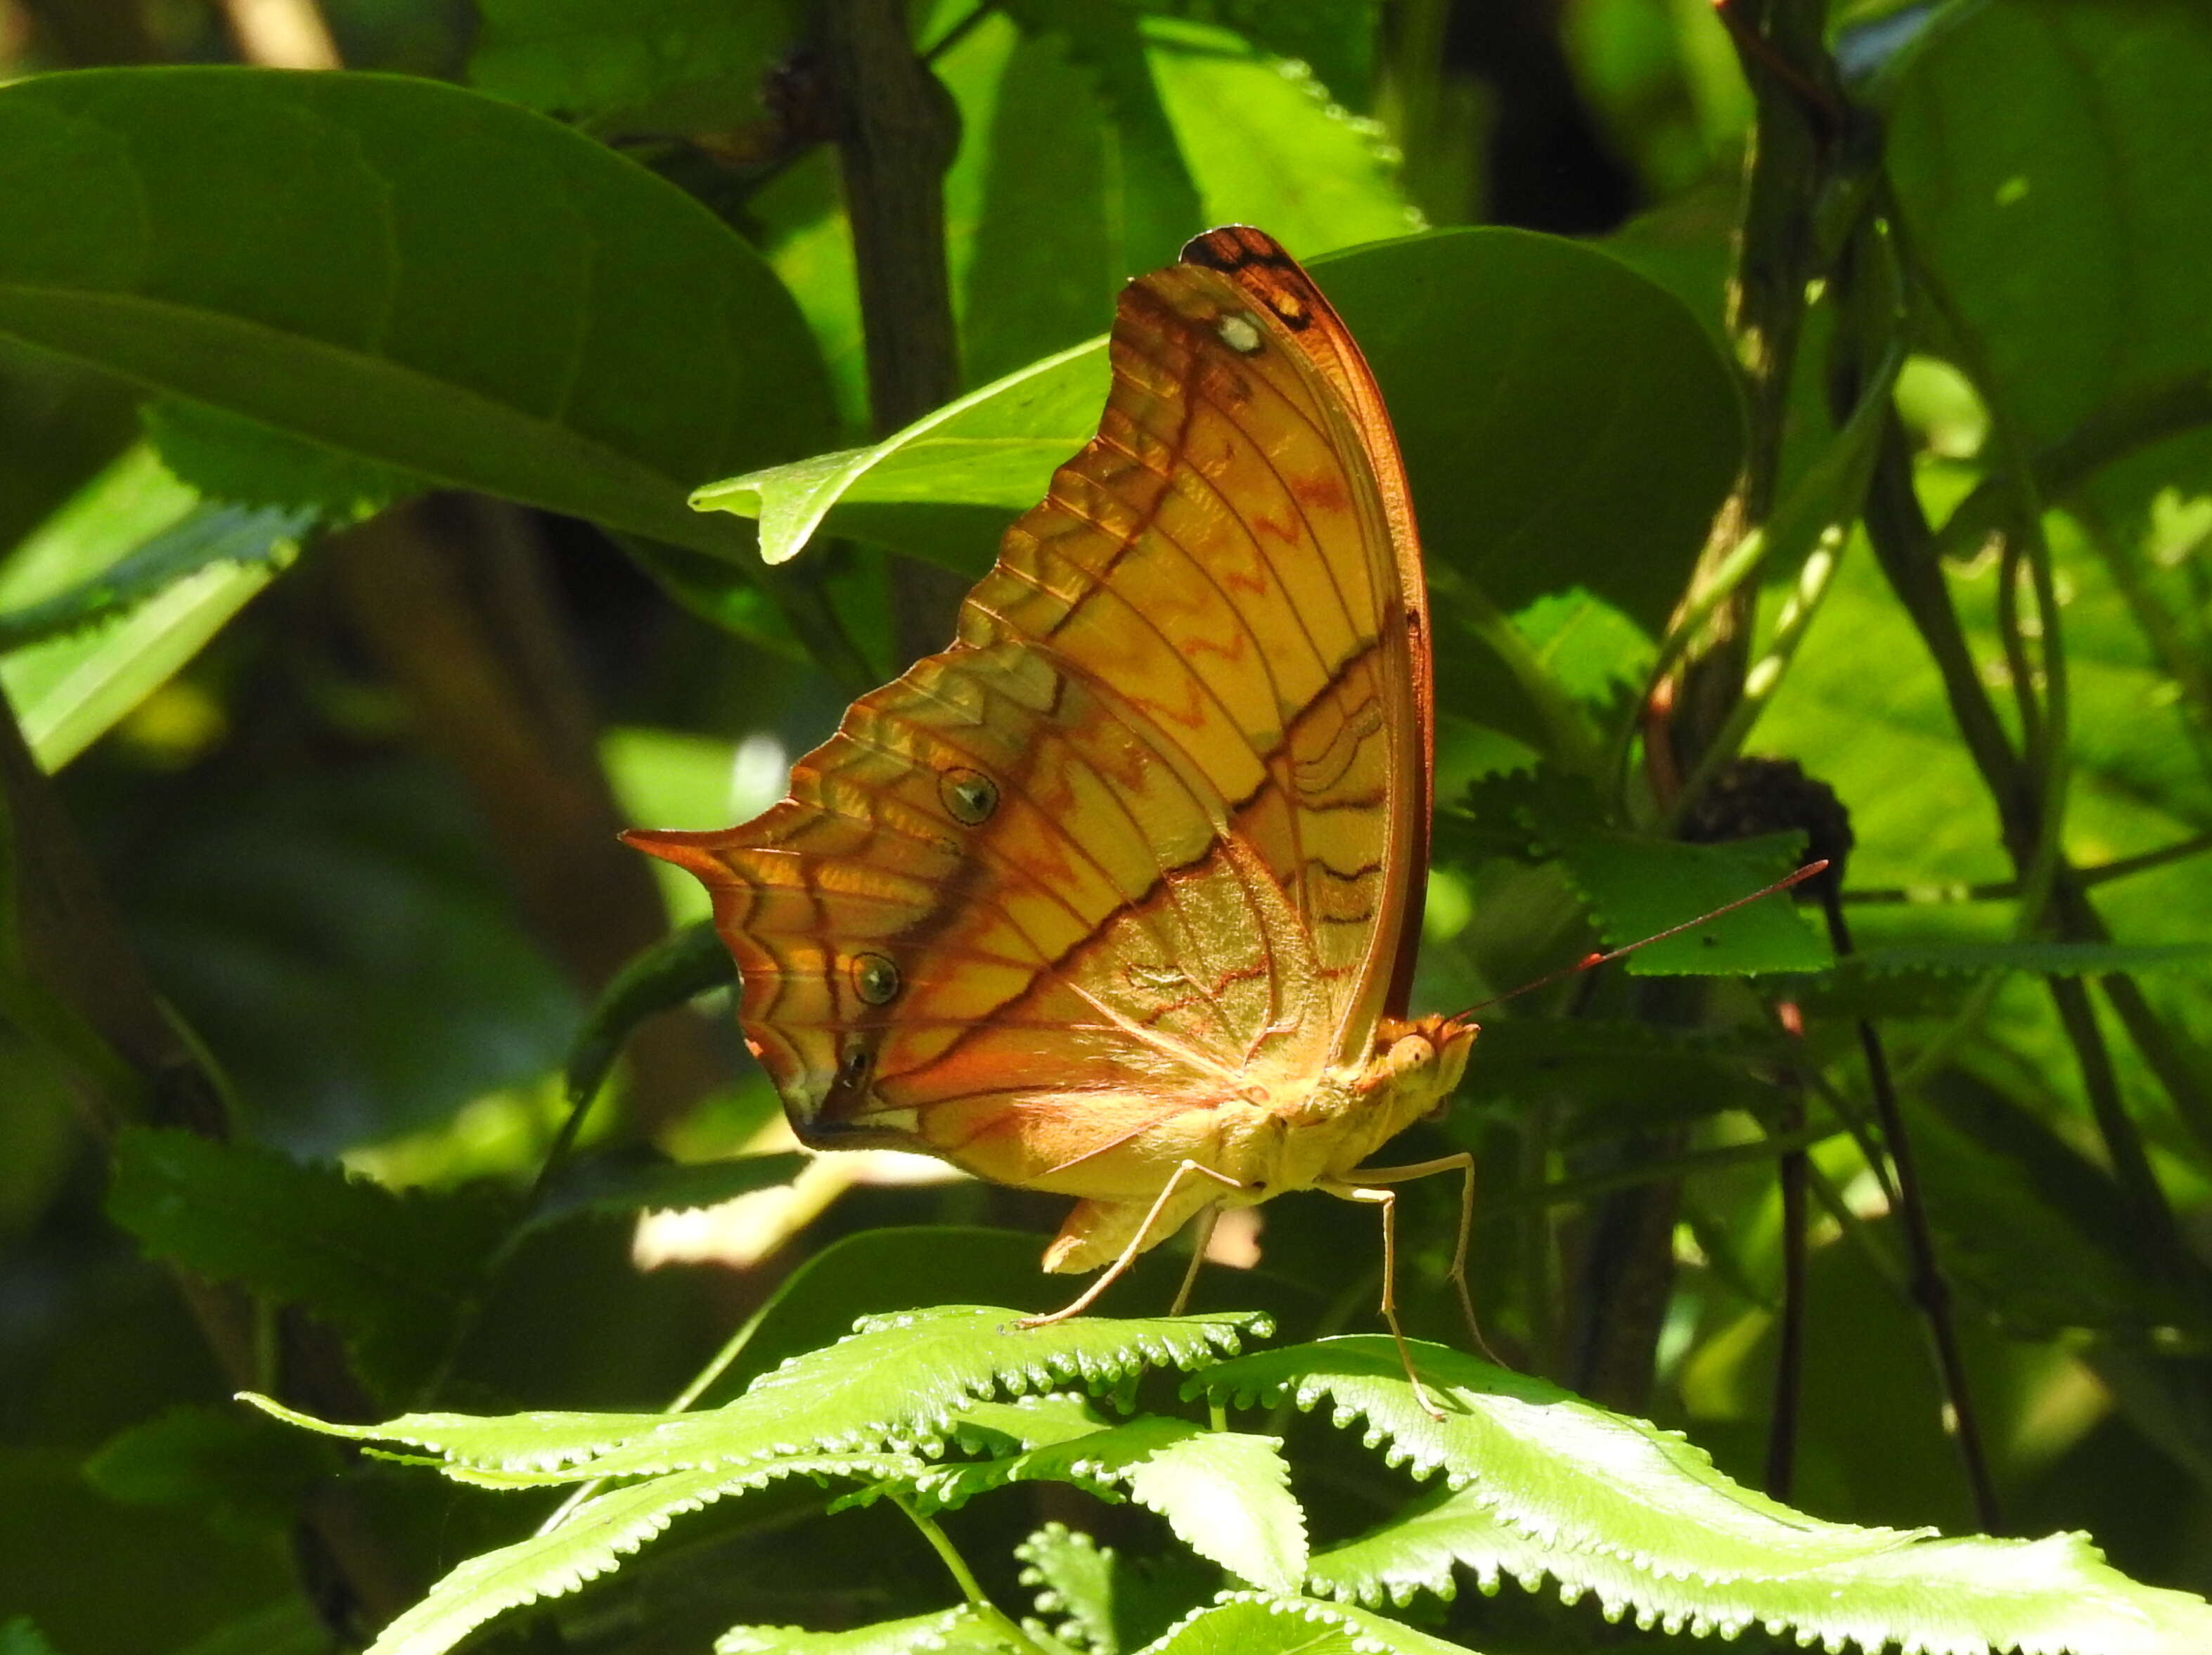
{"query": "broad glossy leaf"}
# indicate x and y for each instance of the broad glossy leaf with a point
(956, 477)
(229, 458)
(665, 66)
(1599, 436)
(411, 273)
(1265, 144)
(2070, 218)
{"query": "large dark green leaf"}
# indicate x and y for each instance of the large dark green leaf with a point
(676, 66)
(407, 273)
(2070, 219)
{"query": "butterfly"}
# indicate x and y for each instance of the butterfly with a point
(1119, 895)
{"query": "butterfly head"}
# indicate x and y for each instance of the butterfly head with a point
(1416, 1067)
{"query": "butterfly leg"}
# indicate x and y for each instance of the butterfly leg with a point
(1200, 1239)
(1388, 1200)
(1112, 1273)
(1463, 1164)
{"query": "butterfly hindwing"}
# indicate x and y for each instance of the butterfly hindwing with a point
(1157, 812)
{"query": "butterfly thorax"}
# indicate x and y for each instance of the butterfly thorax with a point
(1275, 1134)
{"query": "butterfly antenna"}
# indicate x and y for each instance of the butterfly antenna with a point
(1591, 962)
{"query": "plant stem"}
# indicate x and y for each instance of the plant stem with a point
(1904, 546)
(1930, 1291)
(897, 131)
(2003, 890)
(970, 1588)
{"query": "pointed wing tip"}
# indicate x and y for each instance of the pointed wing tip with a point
(694, 851)
(1233, 247)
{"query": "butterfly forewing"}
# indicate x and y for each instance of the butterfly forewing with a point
(1153, 825)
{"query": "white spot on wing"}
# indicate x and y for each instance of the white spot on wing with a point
(1239, 333)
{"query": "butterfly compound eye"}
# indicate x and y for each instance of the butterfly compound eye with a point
(875, 979)
(969, 796)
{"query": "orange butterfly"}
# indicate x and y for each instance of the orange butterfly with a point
(1118, 897)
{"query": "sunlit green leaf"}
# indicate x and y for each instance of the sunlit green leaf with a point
(118, 590)
(946, 1632)
(1266, 146)
(1639, 888)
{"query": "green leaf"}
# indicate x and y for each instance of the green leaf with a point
(1078, 182)
(1606, 434)
(230, 458)
(1553, 1485)
(1075, 1580)
(1963, 1597)
(1638, 888)
(1551, 1465)
(121, 539)
(1265, 145)
(1253, 1623)
(681, 967)
(670, 65)
(1013, 1427)
(2067, 219)
(897, 1382)
(411, 273)
(591, 1543)
(115, 592)
(1590, 648)
(1225, 1494)
(957, 474)
(19, 1637)
(883, 1271)
(942, 1631)
(1104, 1602)
(222, 1458)
(1334, 37)
(392, 1270)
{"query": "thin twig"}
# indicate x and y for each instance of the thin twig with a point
(2096, 873)
(970, 1588)
(1789, 1387)
(897, 131)
(1929, 1289)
